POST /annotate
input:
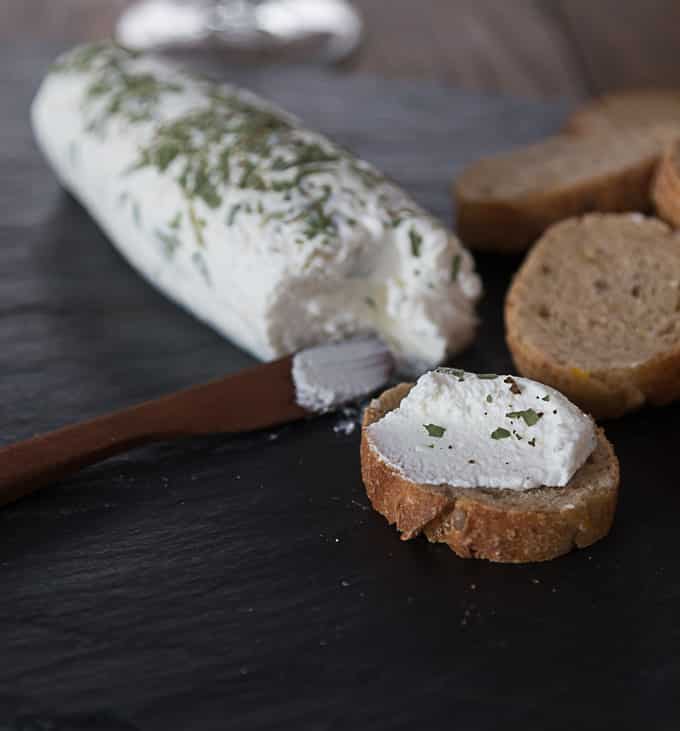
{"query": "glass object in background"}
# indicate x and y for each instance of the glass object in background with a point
(322, 30)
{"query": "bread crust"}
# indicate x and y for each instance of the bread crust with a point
(605, 393)
(666, 187)
(634, 108)
(504, 526)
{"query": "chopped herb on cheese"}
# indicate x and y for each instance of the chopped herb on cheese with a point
(416, 241)
(529, 415)
(455, 267)
(434, 430)
(500, 433)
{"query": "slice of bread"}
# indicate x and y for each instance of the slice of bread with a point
(505, 203)
(633, 109)
(666, 189)
(508, 526)
(594, 311)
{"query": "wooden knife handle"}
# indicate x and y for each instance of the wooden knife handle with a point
(255, 398)
(29, 465)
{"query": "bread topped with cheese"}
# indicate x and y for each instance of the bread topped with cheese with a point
(266, 230)
(496, 467)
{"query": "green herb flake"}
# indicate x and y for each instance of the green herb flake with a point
(137, 214)
(232, 214)
(169, 243)
(455, 267)
(546, 397)
(529, 415)
(197, 224)
(199, 263)
(434, 430)
(416, 242)
(489, 398)
(500, 433)
(176, 221)
(398, 217)
(487, 376)
(165, 154)
(460, 375)
(532, 442)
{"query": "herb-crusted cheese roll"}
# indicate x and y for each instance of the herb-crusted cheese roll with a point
(269, 232)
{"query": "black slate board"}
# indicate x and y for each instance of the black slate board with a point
(244, 583)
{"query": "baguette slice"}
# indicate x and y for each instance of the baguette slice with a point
(507, 526)
(666, 189)
(633, 109)
(505, 203)
(594, 311)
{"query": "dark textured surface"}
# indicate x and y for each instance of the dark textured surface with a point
(244, 583)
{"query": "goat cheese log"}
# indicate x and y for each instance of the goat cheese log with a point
(267, 231)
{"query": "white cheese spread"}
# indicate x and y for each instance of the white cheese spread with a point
(327, 376)
(267, 231)
(484, 430)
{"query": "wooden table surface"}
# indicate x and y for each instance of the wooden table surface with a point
(527, 47)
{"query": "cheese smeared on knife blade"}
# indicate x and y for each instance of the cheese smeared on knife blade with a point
(269, 232)
(327, 376)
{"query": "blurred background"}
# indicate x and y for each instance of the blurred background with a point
(536, 48)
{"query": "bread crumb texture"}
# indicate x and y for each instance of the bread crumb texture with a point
(595, 312)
